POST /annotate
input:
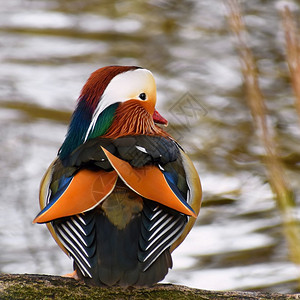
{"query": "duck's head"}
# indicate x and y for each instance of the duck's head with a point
(115, 101)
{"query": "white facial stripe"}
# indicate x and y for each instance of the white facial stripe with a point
(127, 86)
(123, 87)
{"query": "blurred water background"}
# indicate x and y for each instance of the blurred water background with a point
(48, 48)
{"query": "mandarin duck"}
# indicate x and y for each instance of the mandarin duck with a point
(121, 194)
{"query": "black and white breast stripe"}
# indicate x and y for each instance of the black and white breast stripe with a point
(160, 228)
(77, 234)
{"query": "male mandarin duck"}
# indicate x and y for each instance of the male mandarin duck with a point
(121, 194)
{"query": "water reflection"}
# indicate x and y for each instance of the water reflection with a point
(47, 51)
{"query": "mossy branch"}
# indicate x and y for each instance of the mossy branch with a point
(14, 286)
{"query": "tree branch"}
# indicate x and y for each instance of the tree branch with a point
(25, 286)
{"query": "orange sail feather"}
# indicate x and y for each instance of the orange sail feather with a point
(148, 182)
(86, 190)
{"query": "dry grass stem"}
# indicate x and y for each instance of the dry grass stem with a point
(292, 52)
(255, 100)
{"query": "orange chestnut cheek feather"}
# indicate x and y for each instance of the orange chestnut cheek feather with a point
(149, 104)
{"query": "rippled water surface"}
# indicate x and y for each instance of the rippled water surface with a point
(47, 51)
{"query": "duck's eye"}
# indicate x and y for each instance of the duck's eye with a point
(142, 96)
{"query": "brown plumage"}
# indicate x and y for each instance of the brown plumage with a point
(132, 119)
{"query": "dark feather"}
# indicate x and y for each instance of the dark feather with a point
(112, 245)
(137, 150)
(161, 227)
(109, 256)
